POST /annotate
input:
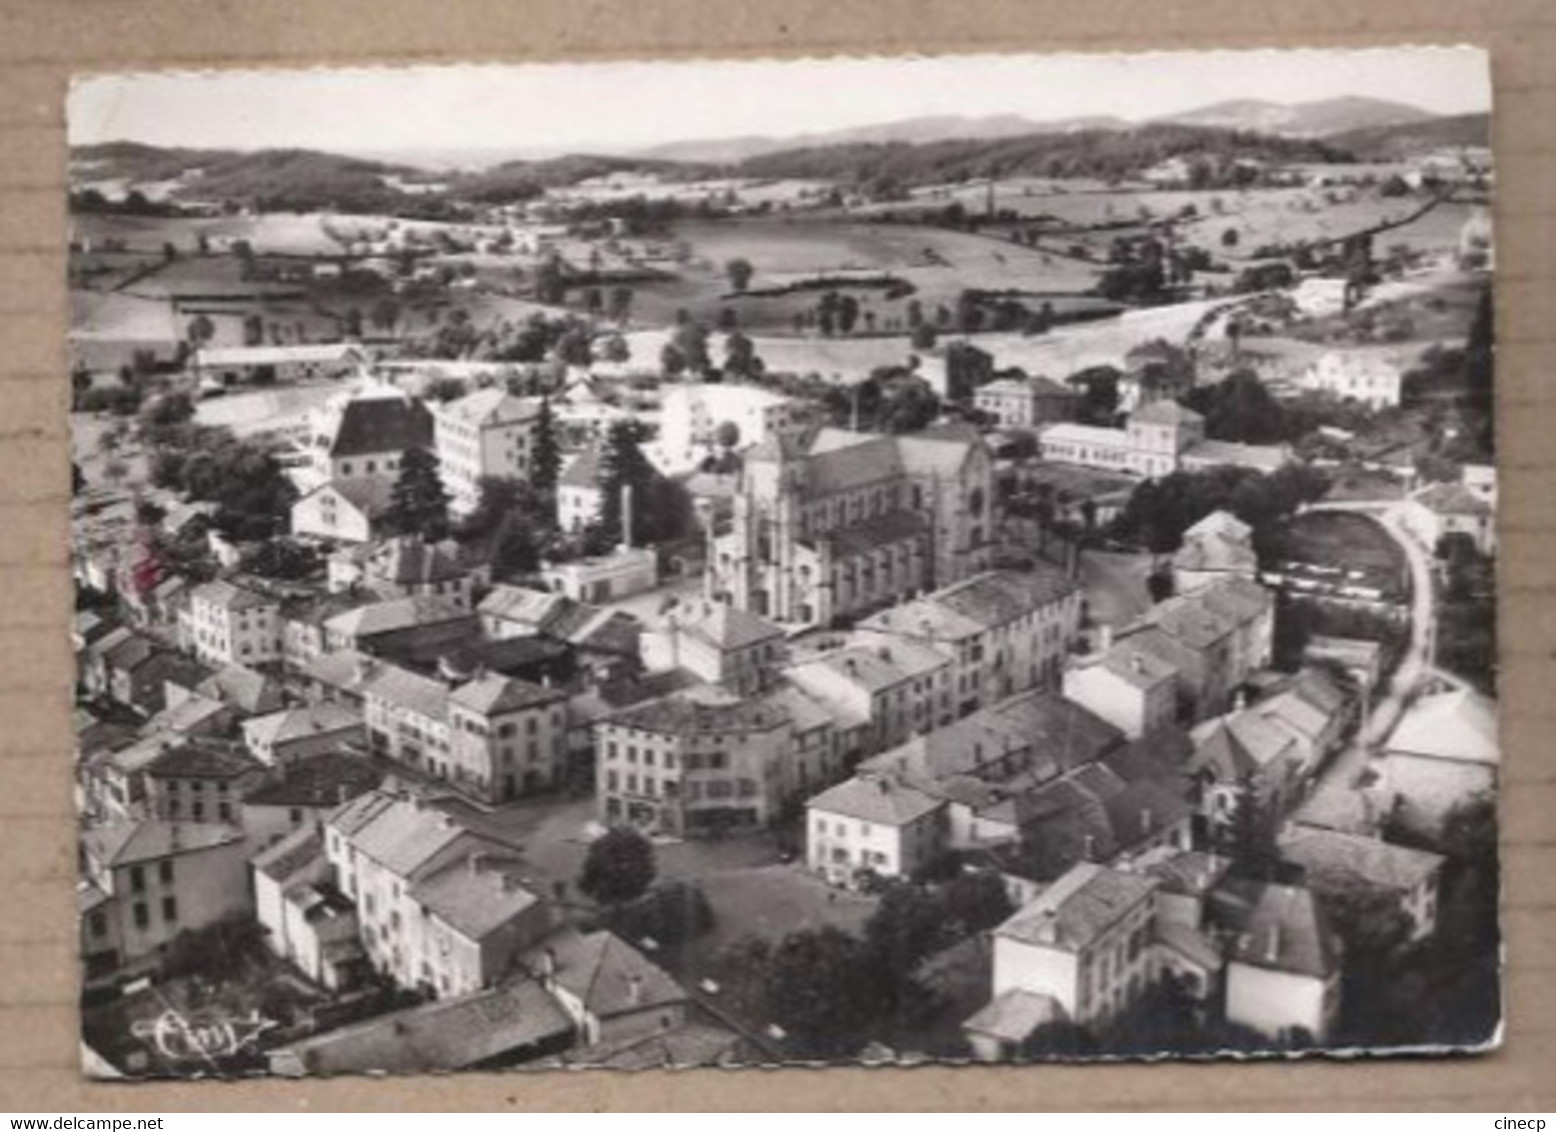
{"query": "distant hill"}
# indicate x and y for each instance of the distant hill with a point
(274, 178)
(520, 180)
(1391, 143)
(1322, 118)
(1102, 153)
(929, 128)
(135, 161)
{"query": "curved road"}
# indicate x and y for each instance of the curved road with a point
(1347, 767)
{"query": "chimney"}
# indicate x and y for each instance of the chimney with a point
(1090, 848)
(1104, 637)
(548, 963)
(1137, 662)
(476, 860)
(342, 794)
(1145, 819)
(1048, 926)
(635, 990)
(1272, 951)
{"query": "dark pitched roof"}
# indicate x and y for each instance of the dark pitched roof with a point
(1278, 926)
(323, 780)
(382, 424)
(203, 758)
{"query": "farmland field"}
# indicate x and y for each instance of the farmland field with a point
(938, 264)
(1342, 540)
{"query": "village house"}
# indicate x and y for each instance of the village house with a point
(854, 522)
(878, 694)
(609, 989)
(284, 738)
(404, 566)
(1026, 402)
(492, 738)
(489, 432)
(1282, 959)
(231, 623)
(1442, 509)
(228, 365)
(719, 644)
(1161, 438)
(201, 780)
(1218, 546)
(1084, 942)
(691, 415)
(625, 571)
(1216, 637)
(361, 437)
(513, 1023)
(440, 908)
(420, 625)
(351, 511)
(1007, 630)
(306, 920)
(243, 689)
(578, 493)
(695, 764)
(1337, 865)
(873, 823)
(1362, 376)
(147, 879)
(1443, 753)
(306, 793)
(1124, 684)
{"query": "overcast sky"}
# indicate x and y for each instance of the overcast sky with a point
(624, 106)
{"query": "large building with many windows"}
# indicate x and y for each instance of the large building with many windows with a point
(853, 522)
(493, 738)
(486, 433)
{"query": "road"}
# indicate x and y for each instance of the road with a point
(1348, 767)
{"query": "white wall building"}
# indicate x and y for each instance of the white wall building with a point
(486, 433)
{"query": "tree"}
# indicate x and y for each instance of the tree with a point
(739, 355)
(351, 323)
(739, 272)
(546, 455)
(923, 337)
(823, 988)
(692, 342)
(418, 502)
(282, 558)
(1229, 238)
(201, 329)
(618, 867)
(1240, 409)
(1098, 386)
(620, 303)
(727, 435)
(385, 313)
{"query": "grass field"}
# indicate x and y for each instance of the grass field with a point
(938, 264)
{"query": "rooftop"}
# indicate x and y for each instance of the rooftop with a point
(1014, 1015)
(491, 694)
(320, 781)
(1332, 859)
(1078, 907)
(977, 604)
(1452, 499)
(880, 799)
(1277, 926)
(725, 627)
(450, 1033)
(381, 424)
(150, 839)
(301, 723)
(475, 895)
(604, 972)
(1459, 725)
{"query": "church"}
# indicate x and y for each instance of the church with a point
(852, 522)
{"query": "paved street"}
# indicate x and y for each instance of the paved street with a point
(1347, 767)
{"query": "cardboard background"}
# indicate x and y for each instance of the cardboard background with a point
(43, 41)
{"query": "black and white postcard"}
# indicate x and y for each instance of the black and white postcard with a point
(872, 561)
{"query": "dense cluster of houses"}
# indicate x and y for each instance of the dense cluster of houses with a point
(861, 657)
